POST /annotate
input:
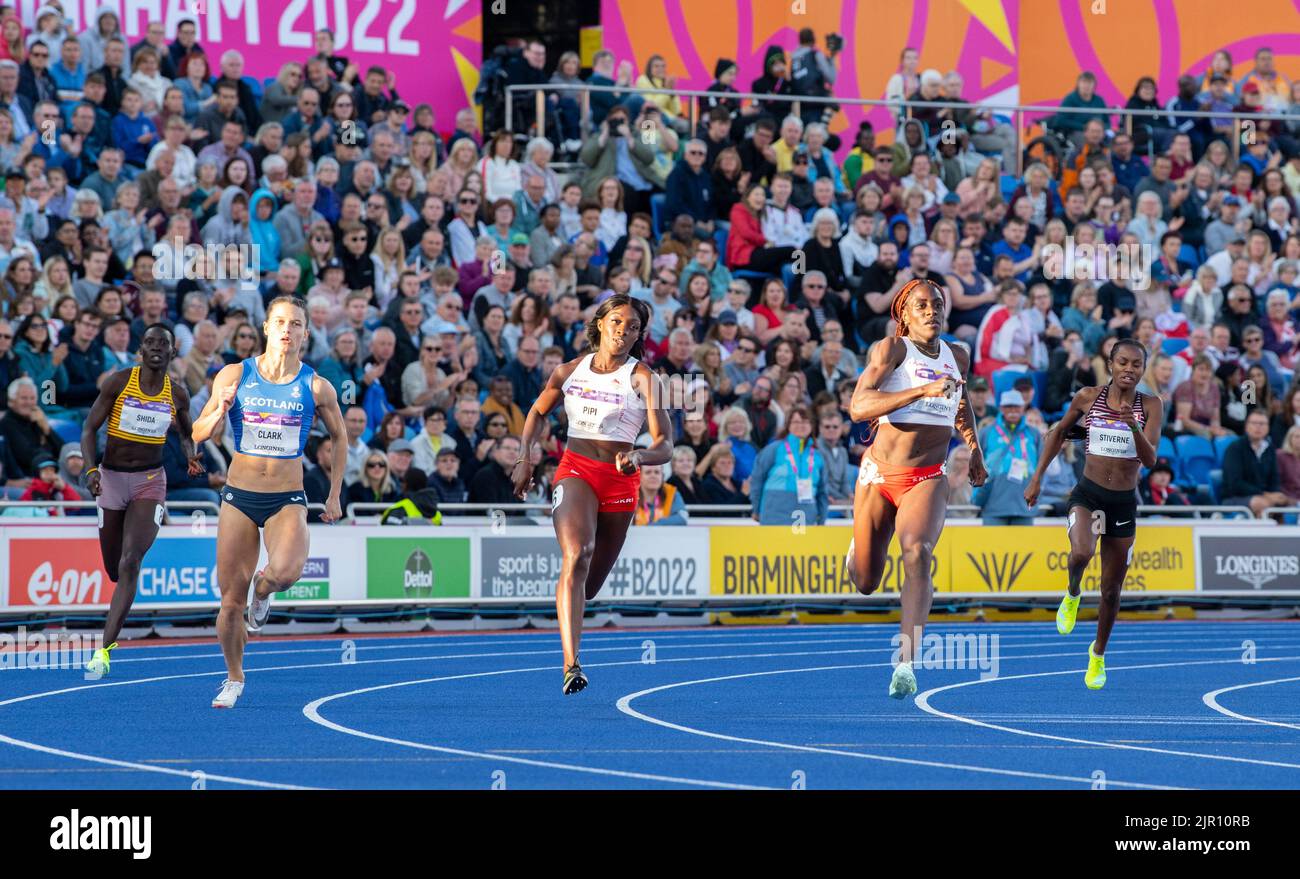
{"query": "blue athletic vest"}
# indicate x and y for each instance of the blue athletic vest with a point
(272, 420)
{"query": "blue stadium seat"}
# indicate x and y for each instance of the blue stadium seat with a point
(657, 203)
(1197, 457)
(1008, 184)
(1165, 449)
(1187, 253)
(720, 236)
(68, 431)
(1005, 380)
(1221, 444)
(1040, 387)
(1216, 485)
(1172, 346)
(754, 278)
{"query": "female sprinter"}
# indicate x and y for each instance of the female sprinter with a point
(913, 389)
(140, 404)
(1120, 436)
(272, 400)
(606, 396)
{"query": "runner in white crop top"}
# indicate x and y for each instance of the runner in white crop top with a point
(609, 396)
(913, 389)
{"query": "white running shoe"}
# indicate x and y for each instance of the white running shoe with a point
(229, 695)
(903, 684)
(259, 609)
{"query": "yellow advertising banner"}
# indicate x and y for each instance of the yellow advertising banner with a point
(1035, 559)
(777, 560)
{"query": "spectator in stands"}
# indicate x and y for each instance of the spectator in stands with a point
(1011, 452)
(375, 485)
(1250, 469)
(491, 483)
(26, 428)
(719, 484)
(688, 188)
(1158, 488)
(1288, 464)
(748, 247)
(1196, 403)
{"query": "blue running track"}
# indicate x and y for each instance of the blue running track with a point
(695, 708)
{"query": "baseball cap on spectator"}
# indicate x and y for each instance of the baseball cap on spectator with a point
(1163, 464)
(401, 445)
(446, 452)
(1232, 200)
(727, 317)
(334, 263)
(519, 238)
(399, 104)
(46, 461)
(446, 326)
(1250, 87)
(1011, 398)
(952, 198)
(1023, 384)
(15, 174)
(979, 383)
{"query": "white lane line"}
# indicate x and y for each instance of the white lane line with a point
(1212, 700)
(624, 705)
(923, 702)
(1025, 639)
(74, 755)
(311, 711)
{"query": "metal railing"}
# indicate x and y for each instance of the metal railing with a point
(90, 505)
(1018, 112)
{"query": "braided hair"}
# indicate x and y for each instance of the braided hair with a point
(900, 302)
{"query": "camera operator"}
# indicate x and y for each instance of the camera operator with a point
(812, 74)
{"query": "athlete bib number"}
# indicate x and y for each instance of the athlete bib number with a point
(270, 433)
(145, 418)
(1111, 442)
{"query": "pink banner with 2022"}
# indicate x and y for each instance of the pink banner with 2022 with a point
(433, 47)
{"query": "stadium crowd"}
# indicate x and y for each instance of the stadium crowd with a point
(447, 272)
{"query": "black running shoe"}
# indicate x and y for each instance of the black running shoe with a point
(574, 680)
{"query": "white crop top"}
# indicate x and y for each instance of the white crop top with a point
(604, 407)
(919, 369)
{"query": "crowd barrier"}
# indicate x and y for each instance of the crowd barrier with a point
(48, 568)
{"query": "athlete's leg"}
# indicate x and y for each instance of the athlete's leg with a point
(1114, 568)
(1083, 544)
(873, 526)
(575, 516)
(111, 523)
(611, 533)
(287, 543)
(237, 549)
(919, 523)
(136, 534)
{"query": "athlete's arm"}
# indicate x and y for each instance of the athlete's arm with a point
(1148, 438)
(1055, 439)
(661, 436)
(184, 428)
(521, 474)
(327, 407)
(103, 405)
(223, 395)
(965, 423)
(869, 402)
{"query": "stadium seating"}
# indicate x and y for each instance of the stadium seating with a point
(1221, 447)
(1172, 346)
(657, 218)
(68, 431)
(1197, 458)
